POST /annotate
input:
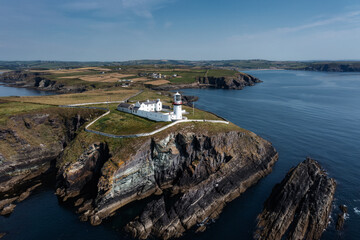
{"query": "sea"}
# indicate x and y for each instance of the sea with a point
(303, 113)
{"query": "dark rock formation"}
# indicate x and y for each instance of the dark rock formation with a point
(195, 174)
(239, 81)
(188, 100)
(298, 207)
(38, 144)
(38, 81)
(341, 217)
(82, 175)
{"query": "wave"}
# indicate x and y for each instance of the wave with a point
(356, 210)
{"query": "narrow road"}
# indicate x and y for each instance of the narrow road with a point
(83, 105)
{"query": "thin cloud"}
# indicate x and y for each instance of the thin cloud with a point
(353, 17)
(352, 20)
(141, 8)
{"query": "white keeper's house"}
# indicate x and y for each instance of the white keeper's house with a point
(153, 110)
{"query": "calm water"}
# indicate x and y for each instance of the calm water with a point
(11, 91)
(301, 113)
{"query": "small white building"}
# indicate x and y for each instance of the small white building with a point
(153, 109)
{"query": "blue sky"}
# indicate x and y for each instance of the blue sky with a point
(116, 30)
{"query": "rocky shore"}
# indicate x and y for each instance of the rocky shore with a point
(299, 207)
(37, 80)
(238, 82)
(193, 174)
(34, 143)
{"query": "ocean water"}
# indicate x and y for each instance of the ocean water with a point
(12, 91)
(302, 113)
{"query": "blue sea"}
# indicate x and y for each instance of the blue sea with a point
(302, 113)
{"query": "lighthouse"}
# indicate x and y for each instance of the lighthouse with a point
(177, 106)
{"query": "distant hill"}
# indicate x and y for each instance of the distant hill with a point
(333, 66)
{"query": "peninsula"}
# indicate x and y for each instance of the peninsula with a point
(199, 164)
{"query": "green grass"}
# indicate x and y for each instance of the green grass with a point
(221, 73)
(120, 123)
(184, 76)
(73, 98)
(8, 109)
(151, 95)
(199, 114)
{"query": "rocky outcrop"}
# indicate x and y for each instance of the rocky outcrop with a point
(341, 217)
(189, 100)
(298, 207)
(194, 174)
(239, 81)
(82, 175)
(38, 81)
(30, 145)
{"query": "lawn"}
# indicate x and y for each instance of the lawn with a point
(199, 114)
(120, 123)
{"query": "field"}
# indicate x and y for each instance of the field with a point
(158, 82)
(75, 98)
(106, 77)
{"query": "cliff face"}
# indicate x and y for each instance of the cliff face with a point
(30, 145)
(36, 80)
(194, 175)
(298, 207)
(239, 81)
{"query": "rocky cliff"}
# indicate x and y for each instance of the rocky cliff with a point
(38, 81)
(299, 207)
(30, 145)
(193, 172)
(239, 81)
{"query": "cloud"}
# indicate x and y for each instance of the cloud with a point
(113, 8)
(350, 17)
(337, 23)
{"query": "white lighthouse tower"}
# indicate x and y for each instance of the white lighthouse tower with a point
(177, 106)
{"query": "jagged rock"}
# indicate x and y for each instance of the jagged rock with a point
(8, 209)
(341, 217)
(299, 207)
(195, 173)
(37, 80)
(239, 81)
(79, 202)
(37, 148)
(74, 178)
(343, 208)
(27, 193)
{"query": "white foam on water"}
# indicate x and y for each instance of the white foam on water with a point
(356, 210)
